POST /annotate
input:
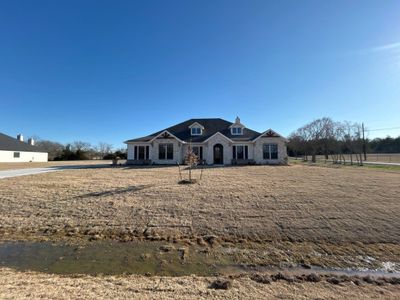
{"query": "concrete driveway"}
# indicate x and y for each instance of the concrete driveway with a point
(33, 171)
(22, 172)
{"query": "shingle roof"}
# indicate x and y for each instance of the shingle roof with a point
(211, 126)
(9, 143)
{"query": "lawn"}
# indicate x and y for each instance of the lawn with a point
(332, 217)
(38, 285)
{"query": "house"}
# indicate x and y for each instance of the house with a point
(16, 150)
(214, 141)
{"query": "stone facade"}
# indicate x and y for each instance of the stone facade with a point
(255, 150)
(216, 136)
(258, 151)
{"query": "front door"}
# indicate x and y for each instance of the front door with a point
(218, 154)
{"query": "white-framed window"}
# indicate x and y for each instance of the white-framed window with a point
(270, 151)
(240, 152)
(195, 130)
(165, 151)
(141, 152)
(198, 151)
(237, 130)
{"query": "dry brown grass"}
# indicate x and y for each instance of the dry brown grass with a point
(17, 285)
(299, 209)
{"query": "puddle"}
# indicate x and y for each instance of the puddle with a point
(105, 258)
(145, 258)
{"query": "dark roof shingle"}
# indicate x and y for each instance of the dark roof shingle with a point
(9, 143)
(211, 126)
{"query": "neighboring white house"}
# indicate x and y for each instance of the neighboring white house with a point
(215, 141)
(16, 150)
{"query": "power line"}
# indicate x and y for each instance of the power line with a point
(383, 129)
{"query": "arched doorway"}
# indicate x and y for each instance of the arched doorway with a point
(218, 154)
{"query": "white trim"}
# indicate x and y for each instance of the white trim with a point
(196, 124)
(219, 134)
(241, 130)
(244, 151)
(191, 131)
(269, 144)
(137, 143)
(166, 131)
(146, 151)
(261, 135)
(237, 125)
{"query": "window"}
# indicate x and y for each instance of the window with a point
(196, 130)
(240, 152)
(141, 152)
(270, 151)
(237, 130)
(165, 151)
(16, 154)
(198, 150)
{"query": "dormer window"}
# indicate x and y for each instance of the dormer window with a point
(237, 127)
(237, 130)
(196, 131)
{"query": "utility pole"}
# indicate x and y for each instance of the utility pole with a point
(364, 144)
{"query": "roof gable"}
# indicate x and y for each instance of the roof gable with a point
(165, 135)
(211, 127)
(269, 134)
(196, 124)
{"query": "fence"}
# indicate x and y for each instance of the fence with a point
(371, 157)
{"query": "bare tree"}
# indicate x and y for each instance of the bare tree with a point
(54, 149)
(191, 159)
(103, 149)
(323, 136)
(316, 136)
(81, 146)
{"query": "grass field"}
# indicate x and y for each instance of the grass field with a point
(46, 286)
(330, 217)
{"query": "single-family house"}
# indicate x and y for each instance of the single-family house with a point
(16, 150)
(214, 141)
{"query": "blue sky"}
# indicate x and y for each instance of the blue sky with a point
(113, 70)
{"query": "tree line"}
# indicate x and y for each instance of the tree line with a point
(384, 145)
(338, 140)
(79, 150)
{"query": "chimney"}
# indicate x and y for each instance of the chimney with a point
(237, 121)
(31, 142)
(20, 137)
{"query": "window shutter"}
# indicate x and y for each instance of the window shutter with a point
(147, 152)
(246, 152)
(234, 152)
(201, 152)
